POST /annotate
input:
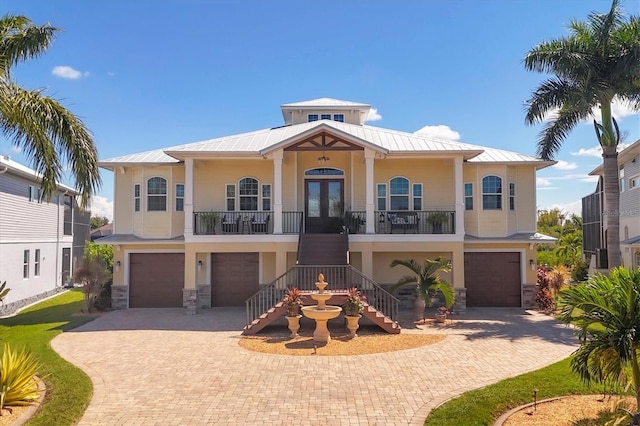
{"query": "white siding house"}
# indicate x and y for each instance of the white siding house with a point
(37, 252)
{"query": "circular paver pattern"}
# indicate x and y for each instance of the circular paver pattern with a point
(160, 366)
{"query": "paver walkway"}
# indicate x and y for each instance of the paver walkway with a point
(160, 366)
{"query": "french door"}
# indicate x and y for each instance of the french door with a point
(324, 204)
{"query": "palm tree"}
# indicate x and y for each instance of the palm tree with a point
(606, 313)
(40, 126)
(598, 62)
(427, 279)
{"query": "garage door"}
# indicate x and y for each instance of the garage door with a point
(156, 280)
(234, 278)
(492, 279)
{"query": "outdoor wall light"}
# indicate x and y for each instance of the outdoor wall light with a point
(118, 265)
(199, 265)
(532, 264)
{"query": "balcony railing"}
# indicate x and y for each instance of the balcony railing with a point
(387, 222)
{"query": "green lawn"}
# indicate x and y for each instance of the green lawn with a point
(483, 406)
(68, 388)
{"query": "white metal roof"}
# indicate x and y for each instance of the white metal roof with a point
(8, 165)
(326, 102)
(262, 142)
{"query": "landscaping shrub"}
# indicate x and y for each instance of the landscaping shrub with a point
(17, 384)
(544, 295)
(580, 271)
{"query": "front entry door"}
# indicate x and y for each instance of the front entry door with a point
(324, 205)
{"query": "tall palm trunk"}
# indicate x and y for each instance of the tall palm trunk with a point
(609, 144)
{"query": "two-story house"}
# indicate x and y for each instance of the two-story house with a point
(594, 224)
(216, 221)
(41, 241)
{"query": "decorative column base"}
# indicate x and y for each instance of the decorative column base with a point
(204, 296)
(529, 296)
(119, 297)
(460, 307)
(190, 300)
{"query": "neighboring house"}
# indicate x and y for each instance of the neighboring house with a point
(594, 224)
(40, 241)
(211, 222)
(103, 231)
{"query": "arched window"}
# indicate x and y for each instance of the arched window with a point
(492, 193)
(248, 193)
(157, 194)
(399, 193)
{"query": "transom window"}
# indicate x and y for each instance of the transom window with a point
(492, 193)
(157, 194)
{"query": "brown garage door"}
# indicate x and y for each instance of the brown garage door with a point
(156, 280)
(492, 279)
(234, 278)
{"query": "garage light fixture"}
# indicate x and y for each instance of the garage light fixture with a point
(532, 264)
(199, 265)
(118, 266)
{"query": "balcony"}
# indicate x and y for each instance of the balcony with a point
(261, 222)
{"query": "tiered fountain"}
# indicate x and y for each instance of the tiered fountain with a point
(321, 313)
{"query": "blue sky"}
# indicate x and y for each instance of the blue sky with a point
(150, 74)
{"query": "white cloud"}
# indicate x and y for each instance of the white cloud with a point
(64, 71)
(619, 110)
(563, 165)
(542, 182)
(16, 148)
(101, 206)
(373, 115)
(574, 207)
(440, 132)
(596, 151)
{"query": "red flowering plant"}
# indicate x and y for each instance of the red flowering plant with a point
(355, 302)
(444, 311)
(293, 301)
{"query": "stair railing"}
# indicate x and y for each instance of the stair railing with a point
(304, 277)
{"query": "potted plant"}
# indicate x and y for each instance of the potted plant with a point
(208, 222)
(426, 278)
(353, 308)
(436, 219)
(293, 302)
(442, 314)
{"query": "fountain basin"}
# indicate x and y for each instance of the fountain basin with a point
(329, 312)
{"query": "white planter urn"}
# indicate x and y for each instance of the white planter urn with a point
(294, 325)
(352, 324)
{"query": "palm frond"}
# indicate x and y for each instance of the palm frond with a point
(49, 135)
(554, 132)
(21, 40)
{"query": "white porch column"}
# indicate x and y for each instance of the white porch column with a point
(277, 191)
(188, 197)
(459, 195)
(369, 156)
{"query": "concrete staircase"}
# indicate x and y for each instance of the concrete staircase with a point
(323, 249)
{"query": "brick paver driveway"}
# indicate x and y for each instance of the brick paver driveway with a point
(160, 366)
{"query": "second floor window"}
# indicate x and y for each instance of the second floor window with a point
(266, 197)
(34, 193)
(68, 215)
(399, 194)
(136, 197)
(512, 196)
(230, 197)
(382, 196)
(492, 193)
(468, 196)
(338, 117)
(180, 197)
(248, 193)
(417, 196)
(325, 117)
(312, 117)
(157, 194)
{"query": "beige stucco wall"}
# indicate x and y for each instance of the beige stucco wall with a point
(436, 177)
(166, 224)
(496, 223)
(211, 177)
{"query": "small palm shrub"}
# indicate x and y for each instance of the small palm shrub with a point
(17, 383)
